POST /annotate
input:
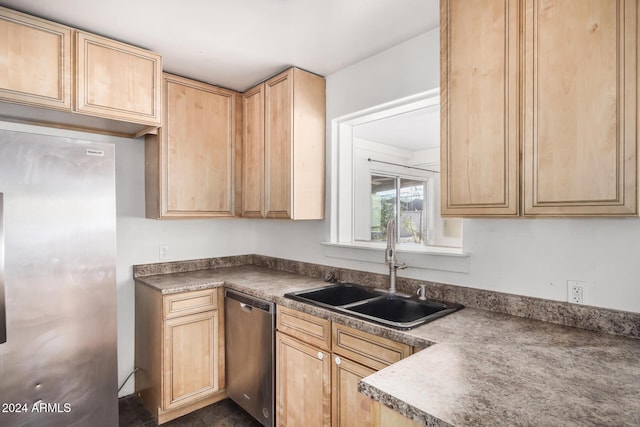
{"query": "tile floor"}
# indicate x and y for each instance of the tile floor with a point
(222, 414)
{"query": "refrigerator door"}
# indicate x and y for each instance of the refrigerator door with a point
(58, 363)
(3, 317)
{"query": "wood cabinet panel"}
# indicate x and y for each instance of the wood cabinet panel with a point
(479, 107)
(199, 146)
(368, 349)
(35, 61)
(190, 165)
(190, 358)
(305, 327)
(350, 408)
(279, 146)
(309, 118)
(569, 76)
(303, 384)
(184, 303)
(580, 112)
(294, 146)
(303, 343)
(253, 153)
(116, 80)
(181, 357)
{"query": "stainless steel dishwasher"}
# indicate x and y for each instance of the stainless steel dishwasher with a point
(249, 336)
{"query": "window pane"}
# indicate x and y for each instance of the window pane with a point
(412, 222)
(383, 205)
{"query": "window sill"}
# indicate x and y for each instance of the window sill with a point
(428, 258)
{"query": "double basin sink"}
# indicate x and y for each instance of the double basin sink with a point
(394, 310)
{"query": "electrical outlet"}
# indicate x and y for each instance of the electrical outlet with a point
(576, 291)
(163, 252)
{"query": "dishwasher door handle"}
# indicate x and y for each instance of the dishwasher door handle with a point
(248, 303)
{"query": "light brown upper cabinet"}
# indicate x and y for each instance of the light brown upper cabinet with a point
(190, 164)
(479, 107)
(539, 95)
(580, 107)
(116, 80)
(35, 61)
(49, 72)
(284, 155)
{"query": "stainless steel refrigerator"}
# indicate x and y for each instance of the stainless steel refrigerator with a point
(58, 362)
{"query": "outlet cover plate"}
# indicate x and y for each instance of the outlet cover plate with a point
(576, 291)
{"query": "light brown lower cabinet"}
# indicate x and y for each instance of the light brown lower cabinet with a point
(179, 351)
(349, 407)
(318, 371)
(303, 369)
(303, 384)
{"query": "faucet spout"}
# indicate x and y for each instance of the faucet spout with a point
(390, 252)
(390, 256)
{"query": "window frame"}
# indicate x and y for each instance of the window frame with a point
(398, 177)
(341, 242)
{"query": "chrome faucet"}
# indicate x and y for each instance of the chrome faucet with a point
(390, 256)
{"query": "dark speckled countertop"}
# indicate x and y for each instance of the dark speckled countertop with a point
(479, 368)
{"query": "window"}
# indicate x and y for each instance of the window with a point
(391, 195)
(387, 160)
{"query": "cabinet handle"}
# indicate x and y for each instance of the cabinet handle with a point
(338, 361)
(320, 355)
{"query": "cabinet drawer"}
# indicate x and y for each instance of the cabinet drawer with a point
(368, 349)
(189, 303)
(305, 327)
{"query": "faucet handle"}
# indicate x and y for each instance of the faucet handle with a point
(331, 277)
(422, 292)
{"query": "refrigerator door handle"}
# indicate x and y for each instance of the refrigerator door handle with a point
(3, 312)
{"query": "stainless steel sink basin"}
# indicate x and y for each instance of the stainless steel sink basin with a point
(394, 310)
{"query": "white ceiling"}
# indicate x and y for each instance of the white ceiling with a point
(414, 131)
(238, 43)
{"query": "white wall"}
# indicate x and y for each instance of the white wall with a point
(532, 257)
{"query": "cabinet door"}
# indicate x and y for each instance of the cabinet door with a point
(253, 153)
(116, 80)
(278, 145)
(479, 107)
(190, 365)
(35, 61)
(196, 151)
(580, 112)
(303, 384)
(350, 408)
